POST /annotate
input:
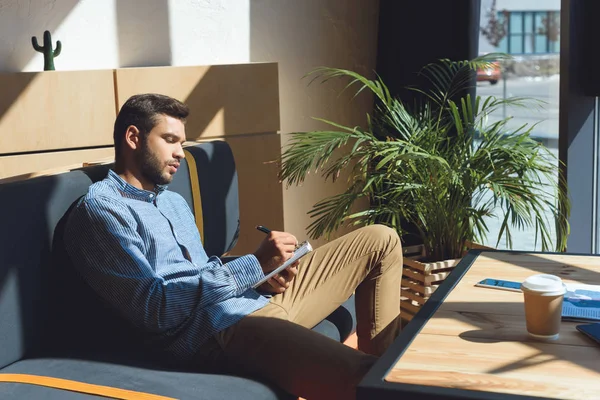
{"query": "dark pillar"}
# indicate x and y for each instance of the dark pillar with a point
(413, 34)
(578, 146)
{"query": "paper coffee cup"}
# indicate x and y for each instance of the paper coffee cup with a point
(543, 297)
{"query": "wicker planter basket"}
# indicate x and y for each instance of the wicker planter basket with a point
(420, 280)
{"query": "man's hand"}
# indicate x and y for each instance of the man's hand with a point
(281, 281)
(274, 250)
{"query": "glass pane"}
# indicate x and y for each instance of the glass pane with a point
(502, 17)
(554, 36)
(528, 44)
(533, 76)
(516, 44)
(555, 46)
(553, 33)
(516, 22)
(503, 45)
(555, 18)
(540, 22)
(528, 22)
(541, 42)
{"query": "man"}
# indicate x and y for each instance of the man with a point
(136, 245)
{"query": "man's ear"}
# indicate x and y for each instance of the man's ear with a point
(132, 137)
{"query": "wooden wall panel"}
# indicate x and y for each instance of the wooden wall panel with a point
(261, 198)
(56, 110)
(224, 99)
(27, 166)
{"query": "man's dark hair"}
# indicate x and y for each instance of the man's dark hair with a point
(142, 111)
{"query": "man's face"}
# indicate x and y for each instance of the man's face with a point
(160, 152)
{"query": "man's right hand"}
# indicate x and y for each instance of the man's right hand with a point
(275, 249)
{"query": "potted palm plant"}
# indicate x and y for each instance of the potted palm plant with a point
(439, 166)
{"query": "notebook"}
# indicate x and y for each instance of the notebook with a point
(303, 249)
(581, 303)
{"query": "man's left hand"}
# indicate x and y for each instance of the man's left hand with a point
(281, 281)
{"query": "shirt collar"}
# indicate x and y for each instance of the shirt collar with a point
(131, 191)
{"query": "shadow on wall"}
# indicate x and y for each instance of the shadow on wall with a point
(11, 92)
(144, 33)
(208, 97)
(19, 21)
(223, 95)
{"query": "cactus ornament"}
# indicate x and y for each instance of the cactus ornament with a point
(49, 54)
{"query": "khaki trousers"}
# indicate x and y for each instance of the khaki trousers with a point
(275, 343)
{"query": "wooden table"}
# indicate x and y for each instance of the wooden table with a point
(469, 342)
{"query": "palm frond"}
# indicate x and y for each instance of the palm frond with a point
(377, 87)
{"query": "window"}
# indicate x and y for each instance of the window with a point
(530, 32)
(535, 74)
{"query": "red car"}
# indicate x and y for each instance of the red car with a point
(492, 74)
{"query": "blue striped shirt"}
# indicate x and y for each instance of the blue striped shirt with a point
(141, 252)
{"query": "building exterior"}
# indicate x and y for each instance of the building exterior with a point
(520, 27)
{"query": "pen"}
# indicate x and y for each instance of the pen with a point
(267, 231)
(263, 229)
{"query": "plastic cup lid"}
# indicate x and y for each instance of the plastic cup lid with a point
(544, 283)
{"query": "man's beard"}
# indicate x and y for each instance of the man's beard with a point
(151, 167)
